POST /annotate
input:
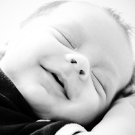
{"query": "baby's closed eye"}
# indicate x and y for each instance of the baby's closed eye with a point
(97, 83)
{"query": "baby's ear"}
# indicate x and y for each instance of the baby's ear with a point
(3, 49)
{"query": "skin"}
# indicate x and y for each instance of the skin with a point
(76, 37)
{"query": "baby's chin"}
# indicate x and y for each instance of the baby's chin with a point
(70, 111)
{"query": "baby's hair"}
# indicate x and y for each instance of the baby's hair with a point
(125, 26)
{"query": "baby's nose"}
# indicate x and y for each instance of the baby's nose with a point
(80, 64)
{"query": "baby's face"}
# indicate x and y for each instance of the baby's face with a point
(70, 63)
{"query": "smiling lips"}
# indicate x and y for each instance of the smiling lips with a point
(61, 83)
(57, 79)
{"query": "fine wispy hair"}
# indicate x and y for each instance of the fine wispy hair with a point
(128, 29)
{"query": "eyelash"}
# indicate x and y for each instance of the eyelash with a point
(97, 81)
(65, 38)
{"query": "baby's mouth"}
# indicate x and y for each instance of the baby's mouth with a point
(61, 83)
(58, 80)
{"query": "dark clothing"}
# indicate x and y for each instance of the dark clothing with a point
(18, 118)
(16, 115)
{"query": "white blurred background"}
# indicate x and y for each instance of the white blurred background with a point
(12, 12)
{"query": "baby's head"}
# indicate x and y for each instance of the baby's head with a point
(69, 60)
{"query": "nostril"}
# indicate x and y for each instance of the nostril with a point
(81, 72)
(73, 61)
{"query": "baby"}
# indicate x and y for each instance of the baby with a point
(68, 62)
